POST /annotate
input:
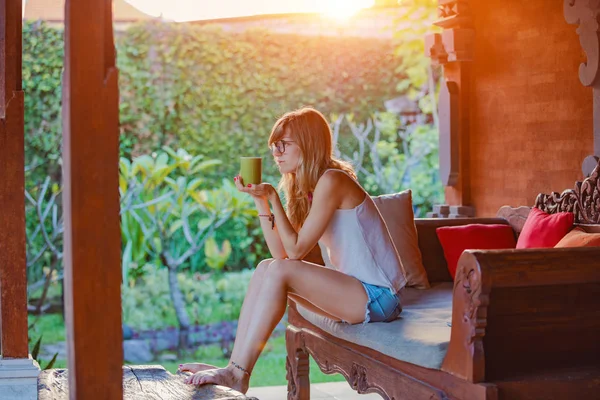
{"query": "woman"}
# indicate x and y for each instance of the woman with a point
(324, 202)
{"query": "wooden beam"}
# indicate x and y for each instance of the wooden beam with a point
(449, 134)
(13, 278)
(92, 238)
(453, 48)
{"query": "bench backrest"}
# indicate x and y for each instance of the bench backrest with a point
(583, 201)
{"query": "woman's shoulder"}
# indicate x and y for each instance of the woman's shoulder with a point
(333, 177)
(339, 180)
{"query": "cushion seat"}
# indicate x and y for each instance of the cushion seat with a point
(420, 336)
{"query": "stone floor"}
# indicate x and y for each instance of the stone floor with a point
(319, 391)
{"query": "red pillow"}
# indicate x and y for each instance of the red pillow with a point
(544, 230)
(456, 239)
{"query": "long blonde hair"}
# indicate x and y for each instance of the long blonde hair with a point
(312, 134)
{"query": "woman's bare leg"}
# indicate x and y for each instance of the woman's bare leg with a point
(311, 307)
(245, 315)
(331, 291)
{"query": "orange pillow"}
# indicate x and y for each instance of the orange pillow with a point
(579, 238)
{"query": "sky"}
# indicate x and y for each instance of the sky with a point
(185, 10)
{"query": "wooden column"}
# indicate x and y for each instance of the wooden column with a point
(92, 241)
(585, 14)
(13, 278)
(453, 48)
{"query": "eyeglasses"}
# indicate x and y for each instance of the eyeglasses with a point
(280, 145)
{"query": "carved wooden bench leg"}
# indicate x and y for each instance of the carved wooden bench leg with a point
(297, 365)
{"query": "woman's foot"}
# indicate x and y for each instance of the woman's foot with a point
(195, 367)
(230, 377)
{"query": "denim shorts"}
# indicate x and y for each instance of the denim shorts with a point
(382, 306)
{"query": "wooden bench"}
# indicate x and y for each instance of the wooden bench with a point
(525, 324)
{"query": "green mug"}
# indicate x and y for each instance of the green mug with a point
(251, 170)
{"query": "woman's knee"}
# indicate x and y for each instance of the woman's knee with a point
(262, 267)
(280, 270)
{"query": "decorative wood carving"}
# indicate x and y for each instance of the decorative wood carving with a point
(450, 46)
(456, 42)
(583, 201)
(585, 13)
(516, 217)
(449, 133)
(297, 365)
(454, 14)
(465, 357)
(366, 375)
(434, 49)
(13, 278)
(297, 371)
(358, 380)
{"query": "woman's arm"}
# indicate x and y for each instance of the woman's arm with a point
(282, 239)
(326, 199)
(270, 232)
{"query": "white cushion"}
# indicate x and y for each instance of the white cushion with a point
(420, 336)
(397, 212)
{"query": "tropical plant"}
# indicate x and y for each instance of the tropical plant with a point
(208, 298)
(35, 355)
(390, 157)
(163, 195)
(44, 240)
(216, 256)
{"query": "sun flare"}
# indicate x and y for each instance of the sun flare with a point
(342, 9)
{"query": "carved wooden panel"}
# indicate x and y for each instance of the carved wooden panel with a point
(583, 200)
(297, 365)
(465, 357)
(364, 374)
(449, 133)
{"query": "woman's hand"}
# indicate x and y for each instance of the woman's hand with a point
(260, 191)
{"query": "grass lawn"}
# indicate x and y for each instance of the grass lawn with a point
(269, 370)
(51, 327)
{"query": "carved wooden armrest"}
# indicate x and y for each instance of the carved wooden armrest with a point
(480, 271)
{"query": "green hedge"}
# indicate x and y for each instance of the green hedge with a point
(209, 91)
(42, 73)
(218, 93)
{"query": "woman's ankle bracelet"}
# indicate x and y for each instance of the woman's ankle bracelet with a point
(238, 366)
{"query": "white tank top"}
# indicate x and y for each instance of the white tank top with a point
(359, 244)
